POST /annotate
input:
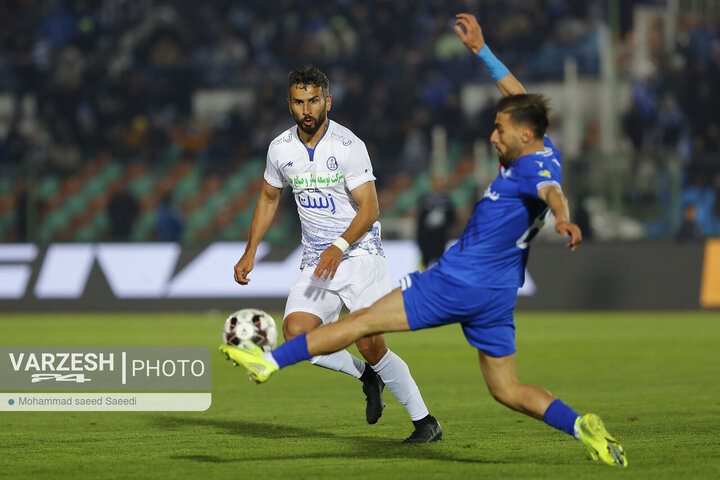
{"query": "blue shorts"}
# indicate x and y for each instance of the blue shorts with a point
(486, 314)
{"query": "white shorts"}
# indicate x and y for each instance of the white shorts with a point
(358, 283)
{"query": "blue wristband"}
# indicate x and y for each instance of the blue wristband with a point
(498, 71)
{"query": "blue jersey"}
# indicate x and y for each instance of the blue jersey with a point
(493, 249)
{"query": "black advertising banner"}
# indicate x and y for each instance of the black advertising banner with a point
(167, 276)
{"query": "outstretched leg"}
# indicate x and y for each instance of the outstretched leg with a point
(385, 315)
(502, 382)
(297, 323)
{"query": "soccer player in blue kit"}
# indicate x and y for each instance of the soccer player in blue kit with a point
(475, 282)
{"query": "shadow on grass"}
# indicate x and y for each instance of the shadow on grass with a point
(361, 447)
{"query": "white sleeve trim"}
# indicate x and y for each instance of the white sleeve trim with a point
(360, 181)
(549, 182)
(273, 181)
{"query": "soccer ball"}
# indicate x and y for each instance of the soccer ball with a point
(250, 325)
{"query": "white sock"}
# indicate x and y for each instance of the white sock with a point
(341, 361)
(268, 356)
(396, 375)
(576, 431)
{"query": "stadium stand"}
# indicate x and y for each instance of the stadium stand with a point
(174, 98)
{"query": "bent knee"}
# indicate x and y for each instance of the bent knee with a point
(292, 327)
(373, 348)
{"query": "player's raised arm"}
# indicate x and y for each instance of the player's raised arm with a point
(470, 33)
(556, 200)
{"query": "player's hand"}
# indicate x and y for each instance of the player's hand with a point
(567, 229)
(472, 35)
(243, 267)
(330, 259)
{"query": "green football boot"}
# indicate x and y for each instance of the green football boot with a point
(599, 443)
(250, 357)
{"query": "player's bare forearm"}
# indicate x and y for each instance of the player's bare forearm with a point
(362, 222)
(509, 85)
(366, 197)
(554, 197)
(263, 215)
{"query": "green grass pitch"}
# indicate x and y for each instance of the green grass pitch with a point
(653, 377)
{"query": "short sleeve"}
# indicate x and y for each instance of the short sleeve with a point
(537, 172)
(357, 168)
(273, 175)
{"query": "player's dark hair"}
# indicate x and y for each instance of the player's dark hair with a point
(528, 109)
(309, 75)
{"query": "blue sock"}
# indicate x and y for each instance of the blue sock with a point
(292, 351)
(561, 416)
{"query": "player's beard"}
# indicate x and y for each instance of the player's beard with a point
(512, 152)
(310, 130)
(504, 160)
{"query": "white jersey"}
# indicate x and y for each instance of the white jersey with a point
(321, 180)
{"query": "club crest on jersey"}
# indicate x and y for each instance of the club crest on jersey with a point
(544, 173)
(332, 163)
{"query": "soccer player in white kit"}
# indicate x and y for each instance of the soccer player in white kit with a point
(329, 171)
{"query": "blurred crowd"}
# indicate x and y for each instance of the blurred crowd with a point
(118, 76)
(674, 109)
(115, 79)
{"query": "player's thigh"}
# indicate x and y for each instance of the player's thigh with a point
(367, 279)
(309, 304)
(491, 326)
(385, 315)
